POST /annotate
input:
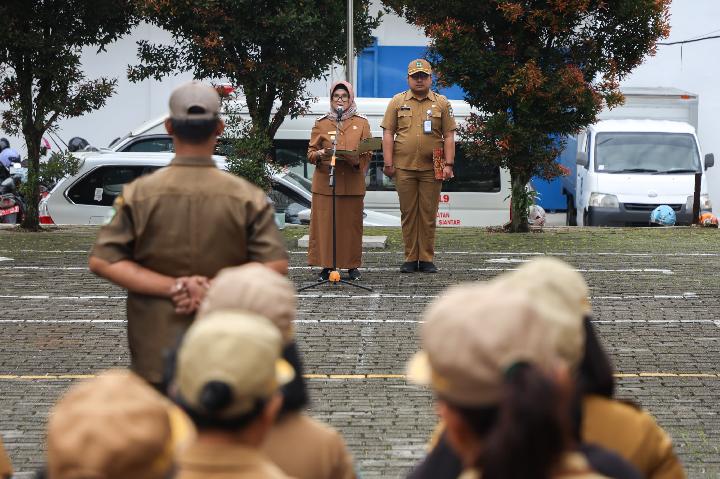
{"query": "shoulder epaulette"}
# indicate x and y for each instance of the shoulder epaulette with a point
(326, 115)
(361, 116)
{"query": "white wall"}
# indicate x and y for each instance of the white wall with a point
(395, 31)
(694, 68)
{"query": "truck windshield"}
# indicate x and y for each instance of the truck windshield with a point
(651, 153)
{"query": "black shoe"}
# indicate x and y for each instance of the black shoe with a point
(409, 267)
(427, 267)
(324, 274)
(354, 274)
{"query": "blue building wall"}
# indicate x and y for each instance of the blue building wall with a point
(382, 72)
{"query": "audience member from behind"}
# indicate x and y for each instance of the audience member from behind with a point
(300, 445)
(502, 391)
(615, 425)
(227, 379)
(6, 470)
(174, 228)
(114, 426)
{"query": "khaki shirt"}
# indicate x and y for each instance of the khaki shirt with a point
(349, 179)
(6, 469)
(189, 218)
(308, 449)
(573, 466)
(225, 461)
(413, 149)
(633, 434)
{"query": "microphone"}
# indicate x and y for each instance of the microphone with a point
(339, 111)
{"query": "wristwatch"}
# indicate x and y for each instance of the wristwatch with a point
(450, 164)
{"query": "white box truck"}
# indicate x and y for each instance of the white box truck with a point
(638, 156)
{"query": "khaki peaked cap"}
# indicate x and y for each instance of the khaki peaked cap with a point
(473, 333)
(560, 295)
(241, 350)
(419, 65)
(194, 100)
(256, 289)
(113, 426)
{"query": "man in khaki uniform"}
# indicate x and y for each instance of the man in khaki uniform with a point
(184, 220)
(6, 469)
(228, 376)
(416, 122)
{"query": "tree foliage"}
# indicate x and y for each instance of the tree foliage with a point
(271, 49)
(245, 148)
(41, 77)
(538, 70)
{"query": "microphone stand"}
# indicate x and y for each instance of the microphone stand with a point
(334, 277)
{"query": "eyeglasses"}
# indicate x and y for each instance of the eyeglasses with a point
(341, 97)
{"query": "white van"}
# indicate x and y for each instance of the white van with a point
(639, 156)
(478, 196)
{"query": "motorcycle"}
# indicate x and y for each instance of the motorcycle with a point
(12, 206)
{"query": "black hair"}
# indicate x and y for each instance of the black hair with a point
(4, 143)
(194, 131)
(339, 86)
(526, 434)
(295, 394)
(596, 371)
(215, 396)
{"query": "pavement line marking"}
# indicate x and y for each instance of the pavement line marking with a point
(536, 253)
(51, 377)
(356, 321)
(46, 268)
(45, 296)
(380, 269)
(592, 270)
(3, 258)
(45, 251)
(686, 296)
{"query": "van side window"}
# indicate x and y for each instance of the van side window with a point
(471, 175)
(104, 184)
(161, 144)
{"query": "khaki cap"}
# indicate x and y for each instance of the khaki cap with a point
(241, 350)
(471, 337)
(113, 426)
(194, 100)
(257, 289)
(560, 295)
(419, 65)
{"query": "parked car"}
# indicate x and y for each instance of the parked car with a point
(87, 197)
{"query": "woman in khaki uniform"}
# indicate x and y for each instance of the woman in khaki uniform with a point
(349, 185)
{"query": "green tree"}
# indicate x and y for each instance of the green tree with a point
(269, 49)
(538, 70)
(41, 78)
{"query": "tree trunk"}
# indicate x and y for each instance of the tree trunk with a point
(520, 201)
(31, 221)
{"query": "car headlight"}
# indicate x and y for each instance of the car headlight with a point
(705, 203)
(603, 200)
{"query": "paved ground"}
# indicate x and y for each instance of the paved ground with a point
(654, 292)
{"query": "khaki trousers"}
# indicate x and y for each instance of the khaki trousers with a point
(419, 194)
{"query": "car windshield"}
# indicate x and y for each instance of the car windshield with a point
(652, 153)
(298, 180)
